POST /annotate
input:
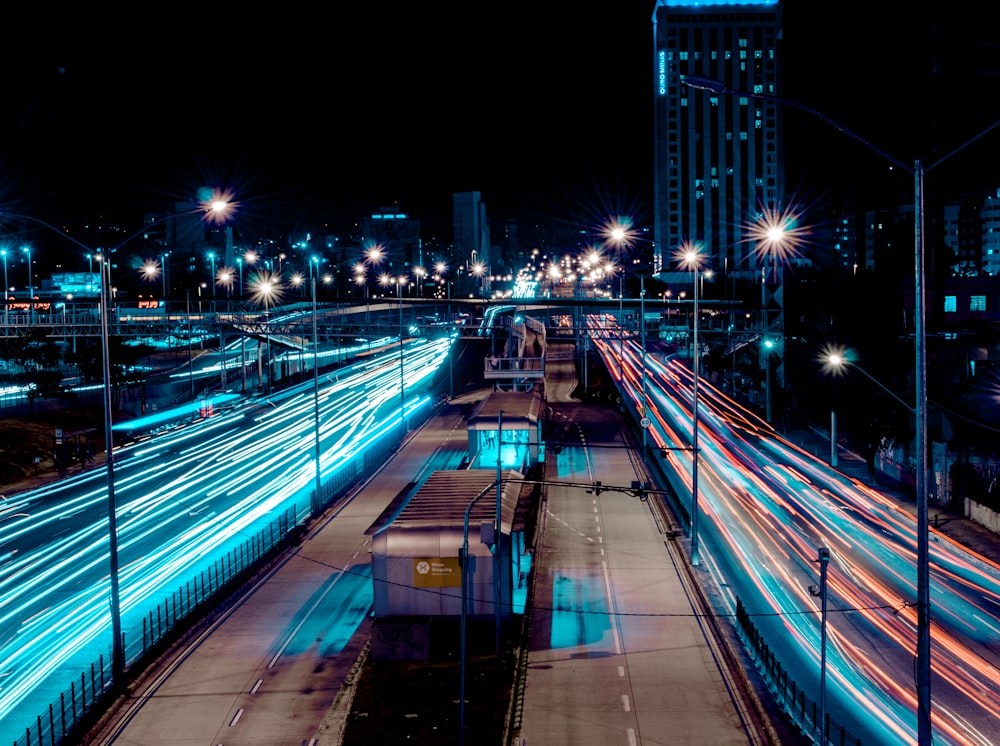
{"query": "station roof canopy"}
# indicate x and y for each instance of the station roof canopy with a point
(518, 408)
(443, 499)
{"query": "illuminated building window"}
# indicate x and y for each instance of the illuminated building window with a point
(977, 303)
(950, 304)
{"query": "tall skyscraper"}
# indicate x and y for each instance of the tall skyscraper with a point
(718, 161)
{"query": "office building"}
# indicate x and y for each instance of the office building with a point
(718, 161)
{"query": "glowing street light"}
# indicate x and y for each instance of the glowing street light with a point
(836, 361)
(150, 271)
(226, 277)
(211, 259)
(478, 270)
(265, 290)
(618, 234)
(374, 255)
(690, 257)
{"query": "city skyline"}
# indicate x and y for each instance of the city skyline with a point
(547, 113)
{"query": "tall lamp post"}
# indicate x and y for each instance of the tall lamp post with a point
(619, 233)
(317, 501)
(104, 264)
(823, 558)
(400, 281)
(118, 646)
(266, 288)
(31, 303)
(690, 257)
(6, 287)
(211, 259)
(163, 272)
(918, 170)
(385, 280)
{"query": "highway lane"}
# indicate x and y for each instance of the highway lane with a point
(186, 499)
(269, 672)
(618, 653)
(765, 509)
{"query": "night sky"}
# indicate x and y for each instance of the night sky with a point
(340, 108)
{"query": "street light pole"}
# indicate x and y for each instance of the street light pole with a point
(694, 430)
(317, 502)
(918, 170)
(690, 256)
(117, 644)
(823, 557)
(6, 287)
(496, 532)
(31, 303)
(642, 338)
(402, 379)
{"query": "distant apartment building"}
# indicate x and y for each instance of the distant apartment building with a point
(473, 260)
(717, 157)
(399, 236)
(989, 217)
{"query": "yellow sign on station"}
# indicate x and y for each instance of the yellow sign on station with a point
(437, 572)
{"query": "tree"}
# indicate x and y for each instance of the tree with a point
(125, 368)
(38, 358)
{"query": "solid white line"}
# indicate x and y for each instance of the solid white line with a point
(611, 604)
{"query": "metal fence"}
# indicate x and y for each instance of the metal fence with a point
(803, 710)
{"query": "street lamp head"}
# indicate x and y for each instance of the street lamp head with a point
(835, 359)
(777, 233)
(225, 277)
(690, 255)
(217, 205)
(150, 270)
(374, 254)
(265, 289)
(619, 232)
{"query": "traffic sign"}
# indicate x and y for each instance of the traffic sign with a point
(644, 422)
